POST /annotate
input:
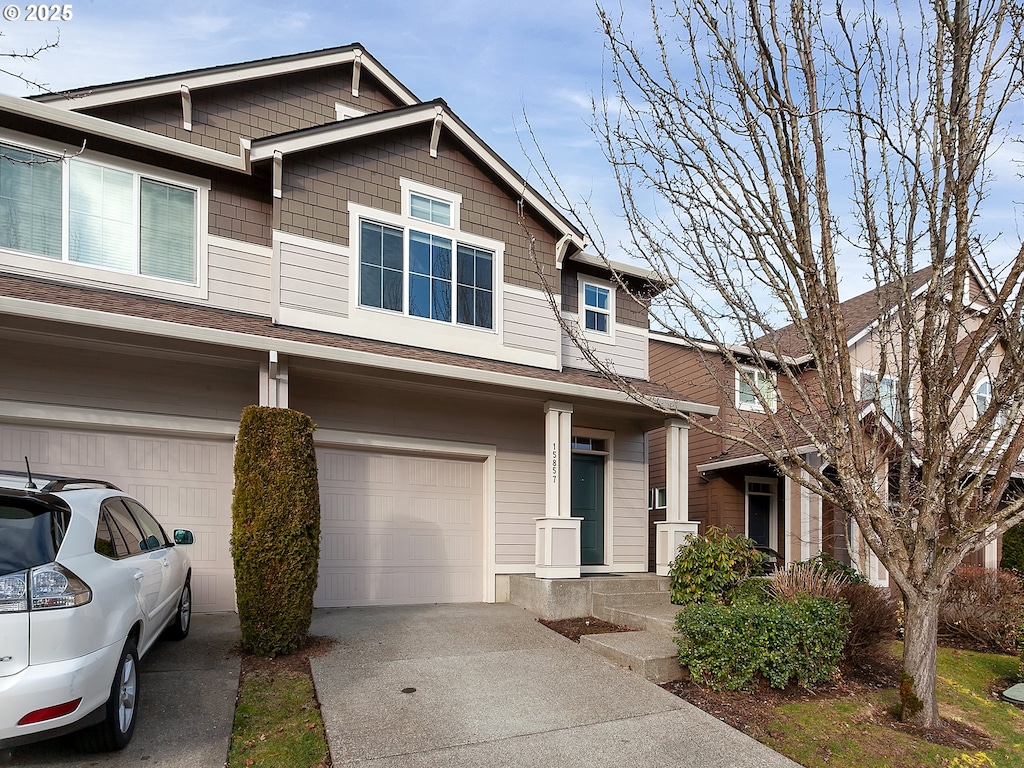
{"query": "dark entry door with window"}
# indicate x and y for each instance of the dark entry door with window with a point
(760, 508)
(588, 503)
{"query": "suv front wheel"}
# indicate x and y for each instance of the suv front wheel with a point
(117, 728)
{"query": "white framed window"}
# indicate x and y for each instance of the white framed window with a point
(102, 214)
(345, 112)
(659, 498)
(884, 391)
(597, 306)
(754, 388)
(982, 397)
(421, 265)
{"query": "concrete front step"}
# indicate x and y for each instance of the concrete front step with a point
(628, 584)
(648, 612)
(650, 654)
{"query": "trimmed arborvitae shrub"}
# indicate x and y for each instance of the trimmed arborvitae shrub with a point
(275, 528)
(730, 646)
(707, 568)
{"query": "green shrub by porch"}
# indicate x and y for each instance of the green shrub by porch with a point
(728, 646)
(1013, 550)
(275, 528)
(707, 568)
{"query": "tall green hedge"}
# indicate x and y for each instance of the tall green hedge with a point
(275, 528)
(1013, 550)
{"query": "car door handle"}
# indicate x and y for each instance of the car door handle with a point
(166, 563)
(138, 575)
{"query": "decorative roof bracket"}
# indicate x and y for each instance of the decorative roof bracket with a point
(186, 108)
(435, 133)
(357, 68)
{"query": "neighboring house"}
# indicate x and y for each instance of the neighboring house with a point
(733, 485)
(304, 232)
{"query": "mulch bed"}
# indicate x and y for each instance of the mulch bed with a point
(752, 712)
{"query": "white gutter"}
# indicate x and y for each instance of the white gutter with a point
(110, 130)
(618, 266)
(757, 458)
(163, 328)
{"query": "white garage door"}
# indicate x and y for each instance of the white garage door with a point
(399, 529)
(185, 483)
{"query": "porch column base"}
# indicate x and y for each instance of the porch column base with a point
(558, 548)
(668, 538)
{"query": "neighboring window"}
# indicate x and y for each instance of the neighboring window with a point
(596, 307)
(754, 388)
(114, 219)
(428, 209)
(659, 498)
(982, 397)
(30, 202)
(761, 514)
(885, 392)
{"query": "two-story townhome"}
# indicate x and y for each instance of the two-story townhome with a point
(304, 232)
(733, 485)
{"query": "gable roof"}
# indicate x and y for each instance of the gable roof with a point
(439, 115)
(165, 85)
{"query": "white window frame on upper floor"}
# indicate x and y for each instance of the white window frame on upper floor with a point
(862, 373)
(759, 375)
(434, 194)
(408, 224)
(345, 112)
(134, 279)
(585, 281)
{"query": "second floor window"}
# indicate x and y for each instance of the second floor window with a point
(414, 273)
(754, 388)
(884, 391)
(110, 217)
(596, 307)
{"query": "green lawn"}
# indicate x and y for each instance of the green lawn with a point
(856, 732)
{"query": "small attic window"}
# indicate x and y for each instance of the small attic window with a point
(344, 111)
(429, 209)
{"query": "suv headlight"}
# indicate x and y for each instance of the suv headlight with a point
(43, 588)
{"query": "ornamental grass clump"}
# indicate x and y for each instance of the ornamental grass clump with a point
(275, 529)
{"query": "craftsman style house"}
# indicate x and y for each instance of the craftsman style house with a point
(304, 232)
(733, 486)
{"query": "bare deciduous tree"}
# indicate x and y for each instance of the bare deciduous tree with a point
(29, 54)
(761, 150)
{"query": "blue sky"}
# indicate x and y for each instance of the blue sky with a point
(491, 60)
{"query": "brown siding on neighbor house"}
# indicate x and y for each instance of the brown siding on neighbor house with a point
(239, 211)
(317, 187)
(253, 109)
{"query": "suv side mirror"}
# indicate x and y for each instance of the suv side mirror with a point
(183, 537)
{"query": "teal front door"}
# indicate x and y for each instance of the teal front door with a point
(588, 503)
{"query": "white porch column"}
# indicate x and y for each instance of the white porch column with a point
(558, 532)
(677, 526)
(274, 381)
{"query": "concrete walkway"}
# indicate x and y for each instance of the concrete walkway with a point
(486, 685)
(187, 707)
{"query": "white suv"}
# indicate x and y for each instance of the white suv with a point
(88, 581)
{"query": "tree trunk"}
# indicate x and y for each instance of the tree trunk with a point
(918, 702)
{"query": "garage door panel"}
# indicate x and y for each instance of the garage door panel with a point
(185, 483)
(399, 529)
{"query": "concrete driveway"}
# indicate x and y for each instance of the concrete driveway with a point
(486, 685)
(188, 692)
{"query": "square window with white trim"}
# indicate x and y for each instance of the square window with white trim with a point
(754, 389)
(597, 302)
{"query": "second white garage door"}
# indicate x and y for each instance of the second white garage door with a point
(399, 529)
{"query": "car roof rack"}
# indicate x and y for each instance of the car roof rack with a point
(57, 483)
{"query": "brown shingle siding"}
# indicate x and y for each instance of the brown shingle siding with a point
(223, 114)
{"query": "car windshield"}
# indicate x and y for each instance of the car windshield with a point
(30, 533)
